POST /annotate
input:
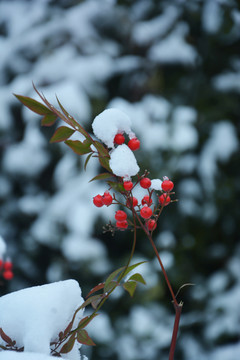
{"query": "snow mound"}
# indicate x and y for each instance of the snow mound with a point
(33, 317)
(123, 162)
(110, 122)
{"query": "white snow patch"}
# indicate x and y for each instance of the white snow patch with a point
(123, 162)
(33, 317)
(3, 247)
(156, 184)
(110, 122)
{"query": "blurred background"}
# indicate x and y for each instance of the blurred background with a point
(174, 68)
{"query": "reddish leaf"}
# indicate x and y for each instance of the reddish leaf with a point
(104, 162)
(84, 338)
(96, 288)
(49, 119)
(87, 160)
(68, 345)
(110, 286)
(61, 134)
(5, 337)
(130, 287)
(78, 147)
(111, 277)
(85, 321)
(68, 328)
(90, 300)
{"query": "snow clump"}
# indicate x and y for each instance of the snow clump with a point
(109, 123)
(33, 317)
(156, 184)
(3, 247)
(123, 162)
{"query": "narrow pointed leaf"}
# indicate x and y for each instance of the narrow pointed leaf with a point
(84, 338)
(87, 160)
(130, 287)
(104, 162)
(86, 320)
(5, 337)
(90, 300)
(96, 288)
(61, 134)
(78, 147)
(101, 149)
(102, 176)
(71, 120)
(112, 276)
(33, 105)
(138, 278)
(116, 186)
(131, 267)
(111, 285)
(67, 347)
(49, 119)
(68, 328)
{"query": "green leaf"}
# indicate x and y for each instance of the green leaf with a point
(87, 160)
(111, 277)
(116, 186)
(61, 134)
(91, 300)
(101, 149)
(130, 287)
(84, 338)
(102, 176)
(49, 119)
(33, 105)
(68, 345)
(138, 278)
(104, 162)
(78, 147)
(111, 285)
(131, 267)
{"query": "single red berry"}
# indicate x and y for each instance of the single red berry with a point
(146, 200)
(119, 139)
(151, 224)
(107, 198)
(134, 144)
(120, 215)
(167, 185)
(98, 200)
(146, 212)
(145, 183)
(7, 265)
(122, 224)
(164, 199)
(128, 185)
(7, 274)
(133, 201)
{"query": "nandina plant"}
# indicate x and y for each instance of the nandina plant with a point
(113, 145)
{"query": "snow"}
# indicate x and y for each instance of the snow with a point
(3, 247)
(228, 81)
(123, 162)
(13, 355)
(109, 123)
(156, 184)
(212, 16)
(40, 312)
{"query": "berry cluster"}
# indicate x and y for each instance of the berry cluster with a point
(6, 269)
(149, 215)
(133, 144)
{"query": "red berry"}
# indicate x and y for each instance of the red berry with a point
(119, 139)
(146, 200)
(146, 212)
(120, 215)
(8, 274)
(145, 183)
(122, 224)
(151, 224)
(1, 263)
(107, 198)
(128, 185)
(134, 144)
(133, 201)
(164, 199)
(7, 265)
(167, 185)
(98, 200)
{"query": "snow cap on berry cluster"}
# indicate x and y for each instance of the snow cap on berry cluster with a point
(123, 162)
(156, 184)
(3, 247)
(109, 123)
